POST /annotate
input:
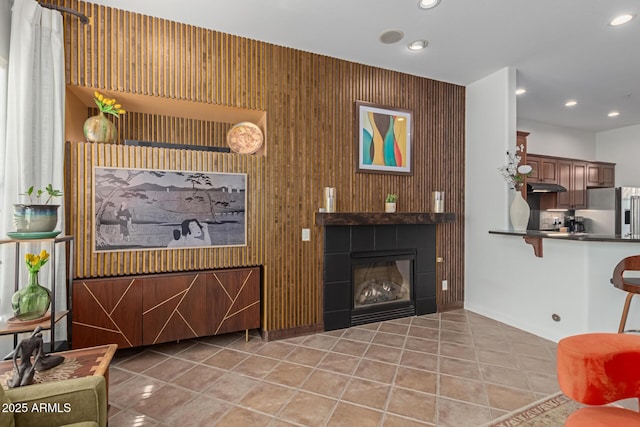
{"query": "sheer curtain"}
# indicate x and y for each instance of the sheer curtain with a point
(32, 152)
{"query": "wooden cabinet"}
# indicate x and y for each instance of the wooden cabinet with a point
(107, 312)
(234, 297)
(545, 169)
(144, 310)
(600, 175)
(174, 309)
(572, 175)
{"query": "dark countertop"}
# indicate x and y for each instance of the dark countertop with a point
(584, 237)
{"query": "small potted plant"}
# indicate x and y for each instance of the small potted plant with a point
(37, 217)
(390, 202)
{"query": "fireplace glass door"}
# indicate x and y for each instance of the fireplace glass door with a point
(381, 281)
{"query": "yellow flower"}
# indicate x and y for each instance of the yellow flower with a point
(107, 105)
(34, 262)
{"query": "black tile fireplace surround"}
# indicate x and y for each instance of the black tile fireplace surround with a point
(343, 243)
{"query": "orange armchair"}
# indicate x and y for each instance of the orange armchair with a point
(600, 368)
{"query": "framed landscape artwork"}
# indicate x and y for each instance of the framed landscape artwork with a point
(384, 139)
(142, 209)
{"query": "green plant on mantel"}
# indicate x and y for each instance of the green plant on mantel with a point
(391, 198)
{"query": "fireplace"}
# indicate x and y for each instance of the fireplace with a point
(381, 286)
(378, 272)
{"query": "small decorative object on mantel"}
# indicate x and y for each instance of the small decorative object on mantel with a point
(37, 217)
(245, 138)
(99, 128)
(32, 301)
(437, 201)
(32, 346)
(390, 202)
(329, 199)
(514, 173)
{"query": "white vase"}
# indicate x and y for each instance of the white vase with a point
(389, 207)
(519, 213)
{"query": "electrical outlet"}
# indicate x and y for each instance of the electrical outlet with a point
(445, 285)
(306, 234)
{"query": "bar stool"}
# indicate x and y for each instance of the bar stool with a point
(627, 284)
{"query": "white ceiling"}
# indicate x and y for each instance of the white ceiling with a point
(562, 49)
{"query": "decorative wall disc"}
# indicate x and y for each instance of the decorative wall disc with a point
(245, 138)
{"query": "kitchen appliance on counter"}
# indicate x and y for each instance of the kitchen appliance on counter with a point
(574, 224)
(609, 210)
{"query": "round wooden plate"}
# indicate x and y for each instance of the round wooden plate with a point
(245, 138)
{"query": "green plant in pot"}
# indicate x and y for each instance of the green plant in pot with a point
(37, 217)
(390, 202)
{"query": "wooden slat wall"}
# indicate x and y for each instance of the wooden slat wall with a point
(80, 159)
(309, 101)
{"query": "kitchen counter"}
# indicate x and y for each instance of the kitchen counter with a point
(586, 237)
(534, 238)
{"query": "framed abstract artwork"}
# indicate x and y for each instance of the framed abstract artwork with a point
(143, 209)
(384, 139)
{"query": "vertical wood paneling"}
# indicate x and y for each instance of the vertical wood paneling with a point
(309, 100)
(82, 156)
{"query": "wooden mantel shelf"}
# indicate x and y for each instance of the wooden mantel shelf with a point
(381, 218)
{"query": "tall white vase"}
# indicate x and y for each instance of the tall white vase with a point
(519, 213)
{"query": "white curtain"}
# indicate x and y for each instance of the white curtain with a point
(32, 153)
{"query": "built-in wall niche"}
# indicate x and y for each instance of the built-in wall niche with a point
(151, 118)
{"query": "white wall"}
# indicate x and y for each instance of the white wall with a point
(503, 278)
(559, 141)
(622, 147)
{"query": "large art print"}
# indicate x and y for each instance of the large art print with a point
(384, 139)
(142, 209)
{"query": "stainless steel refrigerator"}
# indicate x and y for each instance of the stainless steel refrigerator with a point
(609, 210)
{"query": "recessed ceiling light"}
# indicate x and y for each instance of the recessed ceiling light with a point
(520, 91)
(571, 103)
(391, 36)
(428, 4)
(614, 114)
(418, 45)
(620, 20)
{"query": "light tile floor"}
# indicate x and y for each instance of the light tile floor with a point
(452, 369)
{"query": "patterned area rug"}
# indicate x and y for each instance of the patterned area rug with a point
(548, 412)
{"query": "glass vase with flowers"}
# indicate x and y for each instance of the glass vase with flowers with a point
(32, 301)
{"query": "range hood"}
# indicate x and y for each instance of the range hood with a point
(541, 187)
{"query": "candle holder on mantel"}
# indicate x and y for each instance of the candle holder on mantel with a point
(437, 201)
(329, 199)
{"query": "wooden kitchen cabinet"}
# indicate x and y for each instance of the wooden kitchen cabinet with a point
(545, 169)
(601, 175)
(572, 175)
(151, 309)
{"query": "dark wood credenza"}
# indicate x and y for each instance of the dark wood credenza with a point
(142, 310)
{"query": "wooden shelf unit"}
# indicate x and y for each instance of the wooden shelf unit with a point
(57, 315)
(80, 98)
